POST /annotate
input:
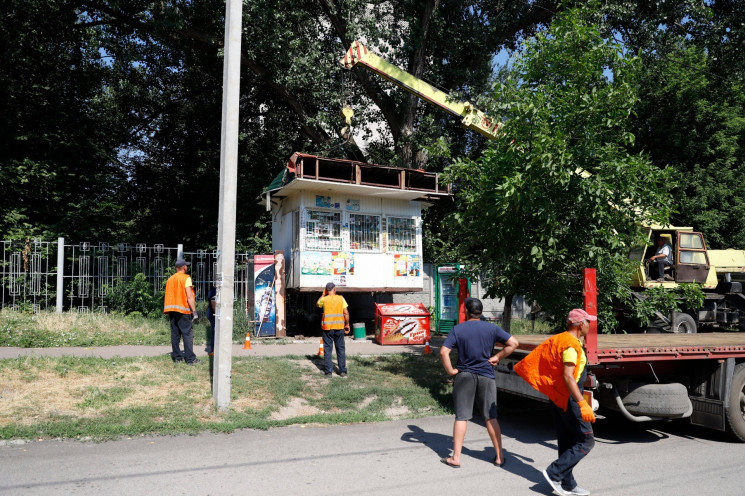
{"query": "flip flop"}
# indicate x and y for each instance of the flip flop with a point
(499, 464)
(446, 462)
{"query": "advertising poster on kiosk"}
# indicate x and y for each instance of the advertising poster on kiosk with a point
(264, 302)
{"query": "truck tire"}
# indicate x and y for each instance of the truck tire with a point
(735, 414)
(683, 324)
(657, 400)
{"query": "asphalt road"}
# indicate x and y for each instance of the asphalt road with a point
(391, 458)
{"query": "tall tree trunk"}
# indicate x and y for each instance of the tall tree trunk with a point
(507, 313)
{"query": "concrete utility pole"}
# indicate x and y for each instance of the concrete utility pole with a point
(231, 79)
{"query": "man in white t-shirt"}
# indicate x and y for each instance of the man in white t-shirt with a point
(661, 259)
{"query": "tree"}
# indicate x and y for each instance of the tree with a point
(529, 216)
(691, 107)
(59, 174)
(112, 109)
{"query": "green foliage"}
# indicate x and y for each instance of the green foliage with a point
(135, 296)
(527, 219)
(694, 121)
(664, 300)
(110, 111)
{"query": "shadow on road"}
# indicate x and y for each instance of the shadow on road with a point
(515, 463)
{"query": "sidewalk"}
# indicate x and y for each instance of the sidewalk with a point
(259, 347)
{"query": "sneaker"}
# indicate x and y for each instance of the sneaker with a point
(342, 374)
(328, 374)
(661, 279)
(196, 361)
(556, 486)
(577, 491)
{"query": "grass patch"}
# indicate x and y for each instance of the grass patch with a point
(529, 326)
(43, 397)
(51, 329)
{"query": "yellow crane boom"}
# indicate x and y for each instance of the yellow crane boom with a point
(473, 118)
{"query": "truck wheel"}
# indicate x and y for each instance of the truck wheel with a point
(657, 400)
(736, 411)
(683, 324)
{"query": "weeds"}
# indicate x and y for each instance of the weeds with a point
(103, 399)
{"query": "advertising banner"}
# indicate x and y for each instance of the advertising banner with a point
(265, 313)
(407, 265)
(316, 263)
(325, 263)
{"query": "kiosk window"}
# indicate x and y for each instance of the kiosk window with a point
(401, 234)
(364, 232)
(323, 230)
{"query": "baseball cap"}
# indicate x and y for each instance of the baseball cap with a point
(578, 315)
(330, 286)
(181, 262)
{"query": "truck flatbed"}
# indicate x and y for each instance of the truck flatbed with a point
(649, 347)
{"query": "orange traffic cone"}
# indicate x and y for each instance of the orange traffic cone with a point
(427, 349)
(320, 348)
(247, 344)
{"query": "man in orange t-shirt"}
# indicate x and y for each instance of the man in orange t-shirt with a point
(180, 305)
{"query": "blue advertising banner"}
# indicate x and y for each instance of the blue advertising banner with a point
(265, 310)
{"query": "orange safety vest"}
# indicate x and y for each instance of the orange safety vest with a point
(175, 299)
(543, 368)
(333, 313)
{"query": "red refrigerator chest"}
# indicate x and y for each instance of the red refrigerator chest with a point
(401, 323)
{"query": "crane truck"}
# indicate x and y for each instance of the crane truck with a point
(675, 373)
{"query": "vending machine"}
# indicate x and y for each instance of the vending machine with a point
(451, 291)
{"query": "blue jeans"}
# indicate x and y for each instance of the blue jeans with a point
(575, 439)
(181, 327)
(336, 338)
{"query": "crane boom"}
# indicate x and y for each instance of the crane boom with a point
(473, 118)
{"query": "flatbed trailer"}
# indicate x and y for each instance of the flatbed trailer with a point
(699, 377)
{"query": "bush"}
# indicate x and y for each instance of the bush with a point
(136, 296)
(659, 299)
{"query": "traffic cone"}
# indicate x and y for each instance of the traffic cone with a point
(247, 344)
(427, 349)
(320, 348)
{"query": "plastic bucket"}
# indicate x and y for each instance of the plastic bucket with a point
(358, 330)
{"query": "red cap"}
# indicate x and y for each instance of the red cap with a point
(578, 315)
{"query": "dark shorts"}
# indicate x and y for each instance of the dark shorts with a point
(468, 387)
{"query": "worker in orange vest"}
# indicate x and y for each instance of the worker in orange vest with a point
(180, 305)
(335, 324)
(558, 369)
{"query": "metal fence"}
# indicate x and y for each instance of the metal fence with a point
(31, 278)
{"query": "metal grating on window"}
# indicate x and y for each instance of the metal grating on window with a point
(401, 234)
(323, 230)
(364, 232)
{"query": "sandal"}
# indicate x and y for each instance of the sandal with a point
(447, 462)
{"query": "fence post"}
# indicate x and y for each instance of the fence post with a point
(60, 272)
(179, 251)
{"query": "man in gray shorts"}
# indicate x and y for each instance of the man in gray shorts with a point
(474, 378)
